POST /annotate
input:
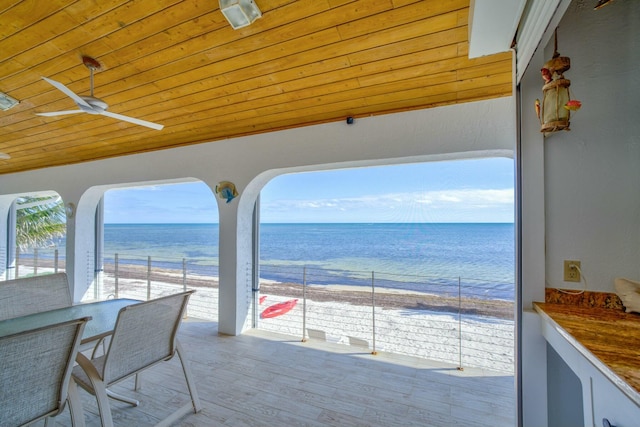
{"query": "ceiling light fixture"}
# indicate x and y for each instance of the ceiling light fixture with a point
(7, 102)
(240, 13)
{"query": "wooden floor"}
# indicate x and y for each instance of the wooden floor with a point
(265, 379)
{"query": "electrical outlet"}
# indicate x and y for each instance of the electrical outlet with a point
(571, 273)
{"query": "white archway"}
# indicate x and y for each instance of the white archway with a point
(249, 162)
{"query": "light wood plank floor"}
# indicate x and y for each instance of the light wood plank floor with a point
(266, 379)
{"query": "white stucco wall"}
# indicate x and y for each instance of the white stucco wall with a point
(592, 173)
(581, 187)
(461, 131)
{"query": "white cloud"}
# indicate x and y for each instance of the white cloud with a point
(441, 205)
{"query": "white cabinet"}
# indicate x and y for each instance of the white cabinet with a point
(602, 397)
(609, 402)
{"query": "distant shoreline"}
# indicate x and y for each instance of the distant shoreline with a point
(395, 299)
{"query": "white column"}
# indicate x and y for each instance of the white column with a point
(532, 214)
(236, 256)
(7, 237)
(81, 235)
(98, 263)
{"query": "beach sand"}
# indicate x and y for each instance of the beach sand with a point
(410, 324)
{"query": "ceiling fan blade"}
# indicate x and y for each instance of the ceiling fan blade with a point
(71, 94)
(59, 113)
(151, 125)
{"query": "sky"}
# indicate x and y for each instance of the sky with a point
(477, 190)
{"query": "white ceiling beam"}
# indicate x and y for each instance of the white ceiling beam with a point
(493, 25)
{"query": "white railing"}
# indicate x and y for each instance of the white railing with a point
(466, 322)
(36, 261)
(144, 278)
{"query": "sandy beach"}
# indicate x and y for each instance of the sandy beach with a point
(411, 324)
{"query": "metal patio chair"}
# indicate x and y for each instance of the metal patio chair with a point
(36, 374)
(144, 335)
(30, 295)
(20, 297)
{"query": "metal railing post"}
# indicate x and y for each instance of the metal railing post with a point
(184, 284)
(304, 304)
(184, 274)
(148, 278)
(17, 263)
(373, 313)
(115, 274)
(55, 261)
(460, 368)
(97, 288)
(35, 261)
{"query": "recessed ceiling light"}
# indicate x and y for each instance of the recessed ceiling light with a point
(4, 156)
(7, 102)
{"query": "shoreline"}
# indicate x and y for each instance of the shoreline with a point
(395, 299)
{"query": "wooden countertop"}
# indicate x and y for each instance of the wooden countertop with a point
(608, 338)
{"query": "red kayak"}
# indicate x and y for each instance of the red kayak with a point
(279, 309)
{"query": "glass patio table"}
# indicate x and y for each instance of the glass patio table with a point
(103, 318)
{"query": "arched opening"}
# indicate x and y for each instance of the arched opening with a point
(417, 259)
(33, 241)
(159, 239)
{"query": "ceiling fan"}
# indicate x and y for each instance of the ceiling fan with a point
(91, 105)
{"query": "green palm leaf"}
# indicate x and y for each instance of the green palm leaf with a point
(38, 221)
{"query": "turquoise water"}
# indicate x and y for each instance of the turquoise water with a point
(401, 255)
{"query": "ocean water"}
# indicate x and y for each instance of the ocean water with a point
(440, 257)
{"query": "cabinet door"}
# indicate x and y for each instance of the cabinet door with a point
(611, 403)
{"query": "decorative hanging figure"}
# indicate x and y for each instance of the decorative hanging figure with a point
(555, 110)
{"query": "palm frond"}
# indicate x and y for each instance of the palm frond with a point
(37, 224)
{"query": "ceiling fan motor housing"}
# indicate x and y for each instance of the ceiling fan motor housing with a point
(98, 105)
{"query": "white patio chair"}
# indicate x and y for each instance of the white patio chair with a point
(30, 295)
(36, 374)
(20, 297)
(144, 335)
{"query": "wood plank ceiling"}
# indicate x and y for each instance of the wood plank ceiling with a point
(179, 63)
